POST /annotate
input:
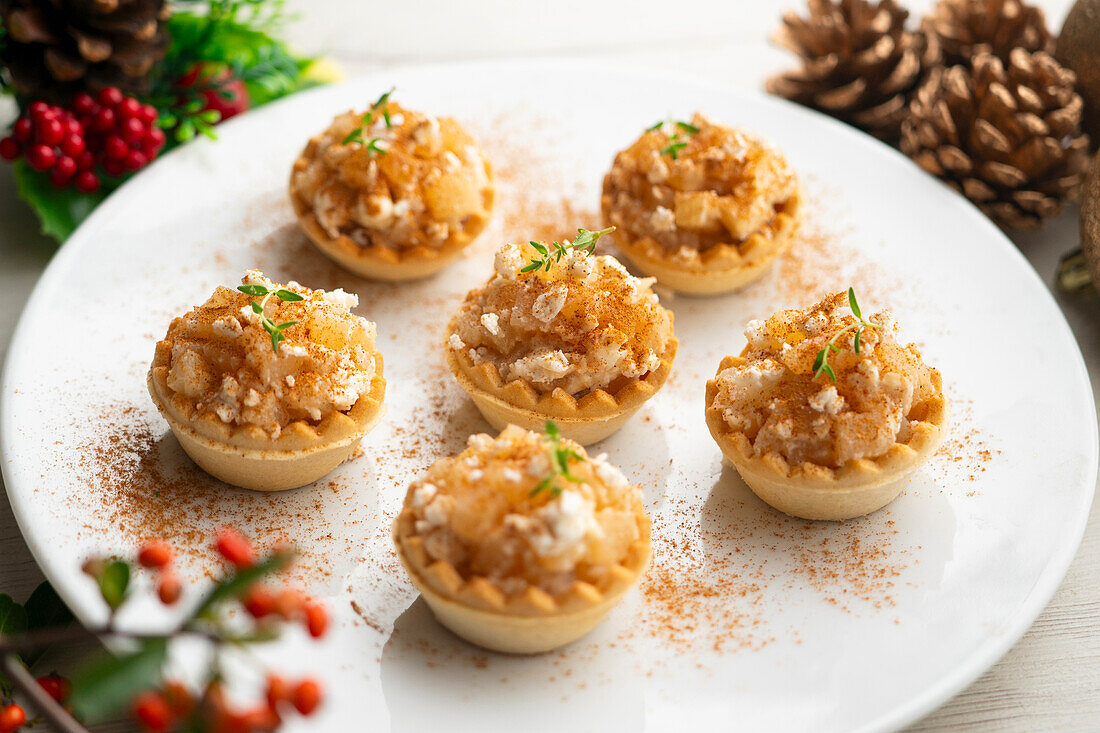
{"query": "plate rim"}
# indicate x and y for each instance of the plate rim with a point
(931, 697)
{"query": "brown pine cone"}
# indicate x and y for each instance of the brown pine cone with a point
(859, 63)
(56, 48)
(1009, 137)
(960, 26)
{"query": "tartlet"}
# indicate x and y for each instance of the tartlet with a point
(702, 207)
(392, 194)
(830, 438)
(577, 339)
(522, 543)
(269, 401)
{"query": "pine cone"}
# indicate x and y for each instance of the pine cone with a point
(1010, 139)
(1003, 25)
(860, 64)
(56, 48)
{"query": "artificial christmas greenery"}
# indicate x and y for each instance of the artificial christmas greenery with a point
(219, 57)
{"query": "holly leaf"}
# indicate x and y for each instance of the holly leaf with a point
(13, 617)
(59, 210)
(104, 687)
(45, 610)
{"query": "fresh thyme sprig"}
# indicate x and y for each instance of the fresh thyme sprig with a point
(560, 456)
(275, 330)
(675, 144)
(356, 135)
(585, 242)
(821, 362)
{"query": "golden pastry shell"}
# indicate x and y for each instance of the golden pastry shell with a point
(723, 267)
(376, 262)
(245, 455)
(586, 420)
(528, 623)
(811, 491)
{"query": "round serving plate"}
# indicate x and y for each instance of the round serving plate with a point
(747, 620)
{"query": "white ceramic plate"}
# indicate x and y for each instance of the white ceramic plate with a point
(749, 620)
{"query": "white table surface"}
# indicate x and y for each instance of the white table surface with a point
(1051, 679)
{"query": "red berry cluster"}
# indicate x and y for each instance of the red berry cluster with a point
(160, 711)
(289, 604)
(164, 709)
(110, 131)
(157, 556)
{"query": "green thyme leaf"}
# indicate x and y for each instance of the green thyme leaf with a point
(252, 289)
(374, 147)
(673, 149)
(257, 308)
(687, 127)
(585, 242)
(288, 295)
(821, 361)
(655, 126)
(853, 304)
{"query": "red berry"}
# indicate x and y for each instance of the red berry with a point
(259, 602)
(114, 167)
(87, 182)
(73, 145)
(154, 141)
(23, 129)
(39, 111)
(115, 148)
(289, 602)
(83, 104)
(129, 107)
(152, 711)
(306, 696)
(74, 126)
(224, 94)
(232, 545)
(50, 132)
(169, 588)
(85, 161)
(178, 698)
(56, 687)
(316, 619)
(133, 131)
(62, 172)
(65, 166)
(149, 114)
(9, 148)
(155, 554)
(11, 718)
(278, 691)
(110, 96)
(41, 157)
(103, 120)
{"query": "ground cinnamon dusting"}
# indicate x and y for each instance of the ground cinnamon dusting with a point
(721, 557)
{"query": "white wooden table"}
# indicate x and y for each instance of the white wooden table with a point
(1051, 679)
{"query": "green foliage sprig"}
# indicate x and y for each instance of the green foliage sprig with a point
(675, 144)
(356, 135)
(560, 455)
(821, 362)
(273, 329)
(585, 242)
